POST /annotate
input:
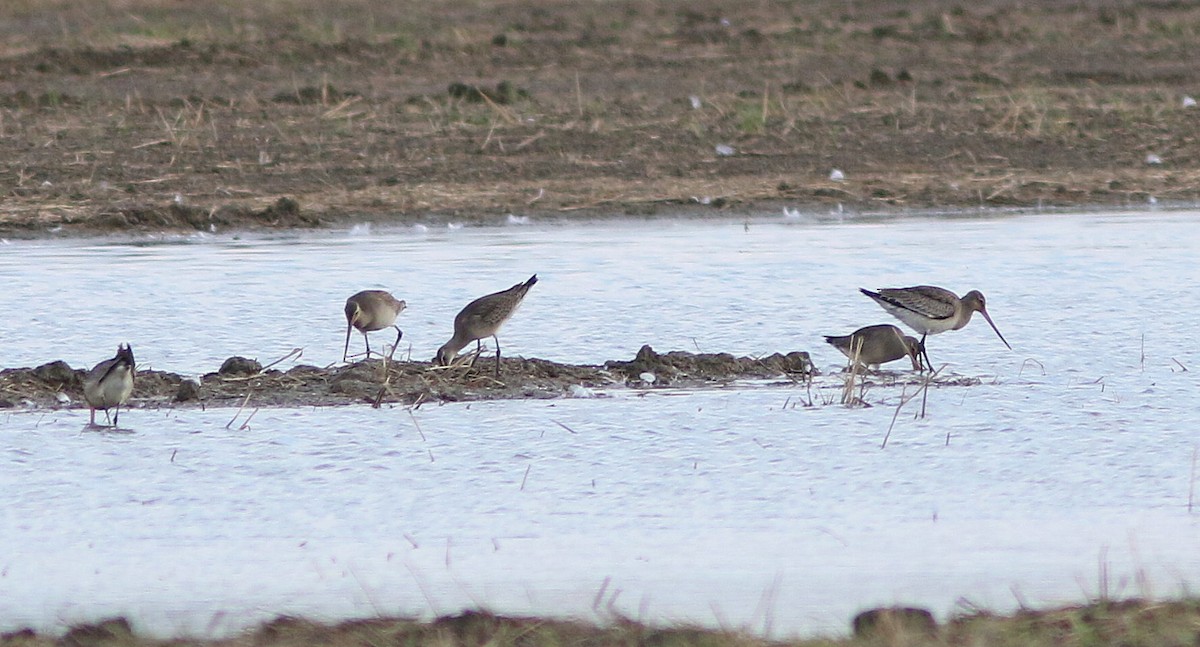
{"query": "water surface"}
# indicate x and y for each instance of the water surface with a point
(1072, 458)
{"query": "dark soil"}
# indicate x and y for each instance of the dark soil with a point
(155, 115)
(1104, 622)
(377, 381)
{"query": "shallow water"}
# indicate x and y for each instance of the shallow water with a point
(718, 506)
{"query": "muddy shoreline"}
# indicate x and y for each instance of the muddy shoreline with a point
(241, 381)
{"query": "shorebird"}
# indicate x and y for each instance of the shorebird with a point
(875, 345)
(931, 310)
(109, 384)
(483, 318)
(372, 310)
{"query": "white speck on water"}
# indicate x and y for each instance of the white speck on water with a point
(837, 175)
(725, 150)
(514, 219)
(420, 228)
(454, 225)
(791, 213)
(360, 229)
(62, 398)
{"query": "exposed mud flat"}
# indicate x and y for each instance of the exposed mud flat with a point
(379, 381)
(226, 117)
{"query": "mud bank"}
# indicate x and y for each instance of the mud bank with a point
(379, 381)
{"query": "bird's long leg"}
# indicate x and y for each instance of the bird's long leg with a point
(367, 341)
(925, 353)
(92, 418)
(497, 339)
(478, 350)
(399, 336)
(116, 416)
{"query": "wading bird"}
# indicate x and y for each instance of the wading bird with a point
(875, 345)
(483, 318)
(372, 310)
(931, 310)
(109, 384)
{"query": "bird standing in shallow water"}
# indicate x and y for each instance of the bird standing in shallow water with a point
(875, 345)
(372, 310)
(931, 310)
(110, 383)
(483, 318)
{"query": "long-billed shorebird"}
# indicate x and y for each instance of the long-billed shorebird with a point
(110, 383)
(483, 318)
(875, 345)
(372, 310)
(931, 310)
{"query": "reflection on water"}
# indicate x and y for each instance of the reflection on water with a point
(715, 506)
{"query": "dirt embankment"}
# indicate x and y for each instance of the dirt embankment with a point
(147, 115)
(377, 381)
(1103, 622)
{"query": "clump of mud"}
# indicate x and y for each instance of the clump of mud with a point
(683, 368)
(379, 381)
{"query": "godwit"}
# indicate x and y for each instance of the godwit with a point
(482, 318)
(109, 384)
(877, 345)
(931, 310)
(372, 310)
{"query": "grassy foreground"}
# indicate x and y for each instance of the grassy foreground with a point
(1129, 623)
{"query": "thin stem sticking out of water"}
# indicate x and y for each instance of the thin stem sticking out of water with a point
(922, 390)
(295, 352)
(848, 397)
(1030, 360)
(239, 411)
(564, 426)
(1192, 479)
(418, 426)
(600, 594)
(387, 378)
(1143, 360)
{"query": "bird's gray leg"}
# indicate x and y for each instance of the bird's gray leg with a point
(478, 350)
(399, 336)
(925, 353)
(497, 340)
